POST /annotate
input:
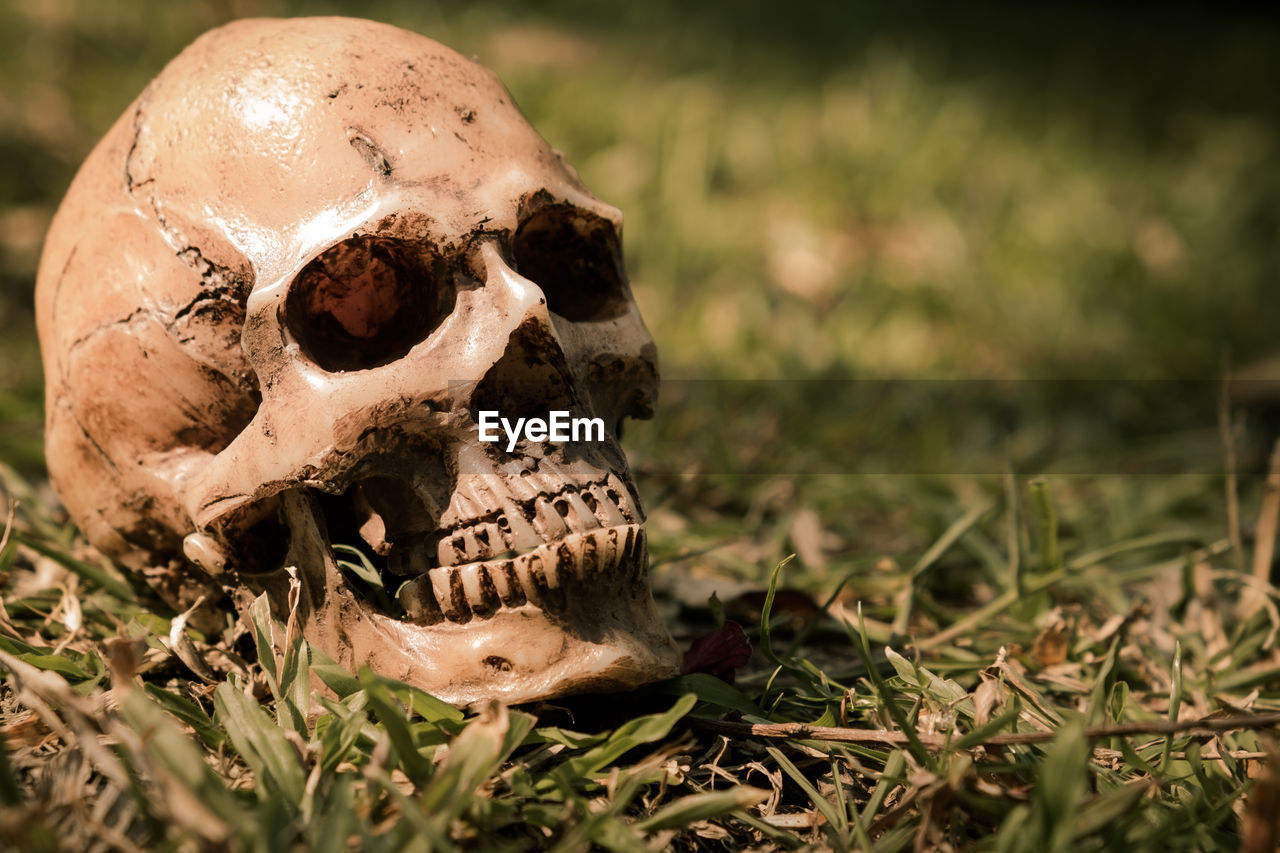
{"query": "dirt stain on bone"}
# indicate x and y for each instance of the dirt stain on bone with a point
(370, 152)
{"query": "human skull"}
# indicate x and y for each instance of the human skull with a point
(272, 306)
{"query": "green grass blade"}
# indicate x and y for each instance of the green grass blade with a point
(394, 718)
(712, 691)
(261, 623)
(187, 712)
(703, 806)
(1061, 787)
(836, 817)
(262, 744)
(766, 612)
(334, 676)
(626, 737)
(95, 575)
(887, 699)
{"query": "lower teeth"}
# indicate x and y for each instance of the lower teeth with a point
(541, 576)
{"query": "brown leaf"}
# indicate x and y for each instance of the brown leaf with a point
(181, 644)
(708, 830)
(719, 653)
(124, 659)
(1260, 830)
(1050, 647)
(985, 698)
(26, 731)
(806, 535)
(791, 608)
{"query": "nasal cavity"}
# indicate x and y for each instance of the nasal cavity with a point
(531, 379)
(367, 301)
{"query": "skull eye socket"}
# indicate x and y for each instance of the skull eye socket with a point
(366, 302)
(575, 257)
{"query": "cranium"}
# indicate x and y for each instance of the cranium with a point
(272, 305)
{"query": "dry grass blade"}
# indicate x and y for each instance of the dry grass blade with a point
(72, 717)
(1265, 545)
(1230, 465)
(12, 509)
(836, 734)
(180, 644)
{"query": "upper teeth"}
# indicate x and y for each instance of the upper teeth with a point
(522, 523)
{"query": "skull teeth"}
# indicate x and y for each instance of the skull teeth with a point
(544, 577)
(521, 525)
(549, 534)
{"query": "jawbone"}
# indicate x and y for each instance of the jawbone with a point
(573, 616)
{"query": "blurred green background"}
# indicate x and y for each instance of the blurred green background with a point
(871, 191)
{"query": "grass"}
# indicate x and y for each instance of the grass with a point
(942, 303)
(1038, 716)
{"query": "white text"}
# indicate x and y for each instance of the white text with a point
(557, 428)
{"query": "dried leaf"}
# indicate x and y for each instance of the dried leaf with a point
(791, 608)
(719, 653)
(124, 658)
(182, 646)
(985, 698)
(72, 613)
(27, 730)
(1261, 823)
(806, 535)
(1050, 645)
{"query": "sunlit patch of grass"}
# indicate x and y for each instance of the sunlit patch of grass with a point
(978, 708)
